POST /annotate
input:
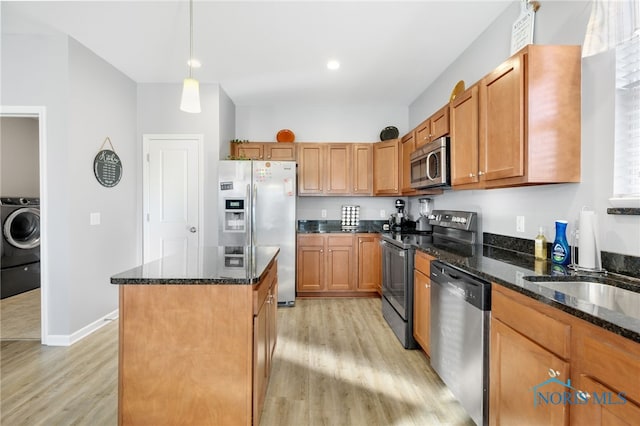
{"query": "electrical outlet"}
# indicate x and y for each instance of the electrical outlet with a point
(323, 213)
(383, 213)
(94, 218)
(519, 223)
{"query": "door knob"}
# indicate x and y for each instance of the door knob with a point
(193, 229)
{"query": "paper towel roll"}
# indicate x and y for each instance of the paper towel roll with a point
(588, 250)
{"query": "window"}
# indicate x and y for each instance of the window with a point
(627, 131)
(616, 25)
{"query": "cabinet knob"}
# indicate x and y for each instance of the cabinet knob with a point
(471, 175)
(427, 286)
(321, 251)
(480, 173)
(553, 373)
(583, 395)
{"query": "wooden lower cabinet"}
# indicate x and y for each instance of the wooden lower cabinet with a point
(337, 264)
(548, 367)
(369, 263)
(517, 366)
(422, 299)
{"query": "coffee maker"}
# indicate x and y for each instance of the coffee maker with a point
(399, 221)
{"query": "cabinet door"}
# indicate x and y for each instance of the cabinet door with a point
(518, 369)
(439, 123)
(464, 138)
(385, 168)
(613, 411)
(272, 323)
(251, 151)
(423, 133)
(260, 355)
(407, 147)
(362, 164)
(310, 168)
(280, 151)
(502, 142)
(421, 308)
(311, 266)
(338, 173)
(340, 267)
(369, 266)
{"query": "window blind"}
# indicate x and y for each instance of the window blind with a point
(627, 127)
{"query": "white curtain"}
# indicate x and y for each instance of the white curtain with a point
(612, 22)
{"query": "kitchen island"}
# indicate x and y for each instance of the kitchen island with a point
(196, 338)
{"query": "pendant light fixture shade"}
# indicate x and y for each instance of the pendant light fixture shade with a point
(190, 101)
(190, 95)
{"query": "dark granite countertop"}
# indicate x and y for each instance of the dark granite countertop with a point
(203, 265)
(335, 226)
(509, 269)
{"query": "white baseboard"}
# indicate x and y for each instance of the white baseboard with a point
(70, 339)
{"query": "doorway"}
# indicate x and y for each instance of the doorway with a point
(172, 194)
(26, 312)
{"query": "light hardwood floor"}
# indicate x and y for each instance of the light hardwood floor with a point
(20, 316)
(336, 363)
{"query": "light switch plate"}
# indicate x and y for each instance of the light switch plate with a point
(323, 213)
(94, 218)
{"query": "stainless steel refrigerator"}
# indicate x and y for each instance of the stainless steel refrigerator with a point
(257, 207)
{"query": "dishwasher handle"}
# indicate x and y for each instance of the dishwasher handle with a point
(474, 290)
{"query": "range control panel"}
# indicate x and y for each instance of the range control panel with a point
(456, 219)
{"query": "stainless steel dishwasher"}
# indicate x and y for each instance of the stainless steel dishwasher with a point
(460, 320)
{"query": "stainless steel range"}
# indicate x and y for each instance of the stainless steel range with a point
(453, 231)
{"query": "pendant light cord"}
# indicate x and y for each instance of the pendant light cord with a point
(190, 36)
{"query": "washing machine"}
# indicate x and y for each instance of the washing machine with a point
(20, 260)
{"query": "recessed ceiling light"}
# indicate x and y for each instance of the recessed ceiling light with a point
(333, 64)
(194, 63)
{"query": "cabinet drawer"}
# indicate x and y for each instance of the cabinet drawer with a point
(423, 262)
(340, 240)
(527, 319)
(310, 240)
(609, 363)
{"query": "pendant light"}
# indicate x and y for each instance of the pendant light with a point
(191, 87)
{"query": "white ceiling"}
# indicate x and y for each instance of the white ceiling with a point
(273, 52)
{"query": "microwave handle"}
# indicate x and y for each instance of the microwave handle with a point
(429, 168)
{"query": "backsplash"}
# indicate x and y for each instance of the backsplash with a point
(611, 262)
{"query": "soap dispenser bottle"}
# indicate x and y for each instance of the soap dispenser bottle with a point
(540, 249)
(560, 254)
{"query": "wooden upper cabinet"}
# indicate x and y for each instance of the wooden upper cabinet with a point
(280, 151)
(386, 176)
(251, 150)
(464, 138)
(529, 118)
(362, 166)
(335, 169)
(310, 168)
(264, 151)
(437, 125)
(338, 169)
(407, 146)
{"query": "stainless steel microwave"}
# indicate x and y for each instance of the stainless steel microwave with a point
(430, 165)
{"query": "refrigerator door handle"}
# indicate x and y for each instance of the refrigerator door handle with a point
(253, 216)
(249, 221)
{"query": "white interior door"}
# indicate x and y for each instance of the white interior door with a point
(172, 194)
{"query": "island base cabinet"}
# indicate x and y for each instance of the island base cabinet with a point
(185, 355)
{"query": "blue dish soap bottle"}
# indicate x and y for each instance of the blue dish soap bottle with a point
(560, 254)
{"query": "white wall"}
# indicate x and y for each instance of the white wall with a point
(227, 124)
(19, 165)
(159, 113)
(86, 100)
(318, 123)
(556, 23)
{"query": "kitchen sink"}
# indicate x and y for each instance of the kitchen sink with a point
(591, 294)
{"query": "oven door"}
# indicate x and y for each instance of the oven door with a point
(395, 270)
